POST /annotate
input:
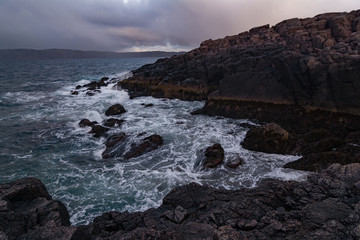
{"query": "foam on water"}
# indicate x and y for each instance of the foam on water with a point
(141, 183)
(49, 144)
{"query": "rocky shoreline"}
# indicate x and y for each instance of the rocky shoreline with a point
(326, 206)
(299, 80)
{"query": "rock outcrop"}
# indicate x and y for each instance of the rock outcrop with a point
(26, 206)
(308, 62)
(302, 74)
(326, 206)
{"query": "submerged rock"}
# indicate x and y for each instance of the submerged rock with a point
(214, 155)
(111, 122)
(86, 123)
(115, 110)
(98, 130)
(115, 146)
(146, 145)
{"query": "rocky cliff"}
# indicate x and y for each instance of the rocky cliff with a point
(308, 62)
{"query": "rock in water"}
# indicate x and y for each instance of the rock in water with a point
(98, 130)
(115, 146)
(111, 122)
(115, 110)
(86, 123)
(214, 155)
(146, 145)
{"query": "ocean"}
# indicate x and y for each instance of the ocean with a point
(40, 137)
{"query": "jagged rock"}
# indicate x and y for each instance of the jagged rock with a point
(214, 155)
(74, 93)
(326, 206)
(25, 205)
(98, 130)
(111, 122)
(289, 63)
(115, 146)
(86, 123)
(146, 145)
(115, 110)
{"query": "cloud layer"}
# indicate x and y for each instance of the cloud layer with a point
(123, 25)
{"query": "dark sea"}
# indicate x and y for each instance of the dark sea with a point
(40, 137)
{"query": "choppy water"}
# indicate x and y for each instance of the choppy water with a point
(40, 137)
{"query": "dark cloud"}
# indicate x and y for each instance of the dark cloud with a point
(143, 24)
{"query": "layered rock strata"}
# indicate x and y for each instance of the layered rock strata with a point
(307, 62)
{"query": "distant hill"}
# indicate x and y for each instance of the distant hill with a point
(31, 54)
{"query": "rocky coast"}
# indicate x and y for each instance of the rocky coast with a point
(299, 80)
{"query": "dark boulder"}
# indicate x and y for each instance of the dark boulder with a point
(148, 144)
(270, 138)
(115, 110)
(98, 130)
(115, 146)
(86, 123)
(74, 93)
(111, 122)
(25, 205)
(234, 161)
(214, 155)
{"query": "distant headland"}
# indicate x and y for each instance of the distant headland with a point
(32, 54)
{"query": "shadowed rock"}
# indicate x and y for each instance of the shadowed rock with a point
(86, 123)
(115, 146)
(326, 206)
(115, 110)
(270, 138)
(214, 155)
(98, 130)
(25, 205)
(111, 122)
(146, 145)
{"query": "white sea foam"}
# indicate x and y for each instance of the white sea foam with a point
(92, 185)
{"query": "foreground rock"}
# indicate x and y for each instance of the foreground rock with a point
(26, 206)
(327, 206)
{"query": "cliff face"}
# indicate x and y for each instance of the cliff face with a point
(307, 62)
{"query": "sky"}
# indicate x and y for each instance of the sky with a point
(144, 25)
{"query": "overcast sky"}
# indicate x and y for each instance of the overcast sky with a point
(138, 25)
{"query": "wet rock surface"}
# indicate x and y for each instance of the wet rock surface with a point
(115, 110)
(214, 155)
(326, 206)
(26, 206)
(145, 145)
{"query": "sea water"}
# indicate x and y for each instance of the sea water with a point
(40, 137)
